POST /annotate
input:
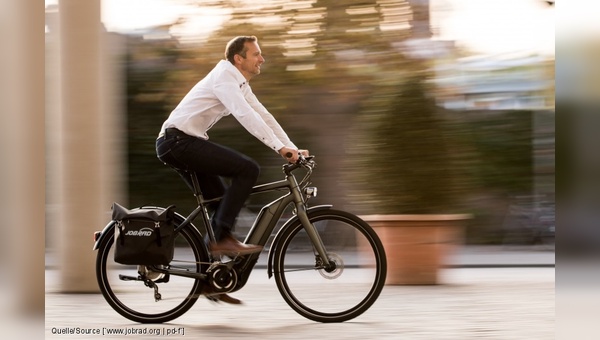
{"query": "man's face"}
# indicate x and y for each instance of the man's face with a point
(250, 66)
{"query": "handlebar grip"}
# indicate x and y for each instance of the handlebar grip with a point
(288, 155)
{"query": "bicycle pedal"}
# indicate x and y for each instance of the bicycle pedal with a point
(213, 298)
(129, 278)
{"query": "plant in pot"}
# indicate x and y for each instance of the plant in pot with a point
(407, 185)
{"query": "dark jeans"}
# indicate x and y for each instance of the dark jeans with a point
(210, 162)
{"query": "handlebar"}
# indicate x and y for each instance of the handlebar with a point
(303, 162)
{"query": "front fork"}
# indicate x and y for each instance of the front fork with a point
(313, 235)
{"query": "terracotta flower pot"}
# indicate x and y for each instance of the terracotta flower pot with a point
(417, 246)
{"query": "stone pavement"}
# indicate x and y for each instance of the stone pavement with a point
(485, 293)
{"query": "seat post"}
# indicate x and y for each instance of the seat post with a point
(196, 186)
(210, 234)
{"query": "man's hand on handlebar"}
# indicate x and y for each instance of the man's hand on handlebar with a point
(292, 154)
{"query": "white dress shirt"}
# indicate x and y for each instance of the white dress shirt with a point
(222, 92)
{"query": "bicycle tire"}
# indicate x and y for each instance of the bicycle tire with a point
(339, 295)
(136, 301)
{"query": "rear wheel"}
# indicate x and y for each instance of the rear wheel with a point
(336, 289)
(144, 294)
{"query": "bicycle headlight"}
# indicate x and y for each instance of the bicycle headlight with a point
(310, 191)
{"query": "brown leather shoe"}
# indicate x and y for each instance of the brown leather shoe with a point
(224, 298)
(229, 246)
(217, 297)
(229, 299)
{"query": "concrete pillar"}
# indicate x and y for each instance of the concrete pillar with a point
(113, 122)
(80, 186)
(22, 198)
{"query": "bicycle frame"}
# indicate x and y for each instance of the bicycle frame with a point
(262, 228)
(269, 215)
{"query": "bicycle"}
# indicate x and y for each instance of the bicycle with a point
(328, 265)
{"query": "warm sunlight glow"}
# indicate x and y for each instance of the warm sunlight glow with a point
(489, 27)
(495, 26)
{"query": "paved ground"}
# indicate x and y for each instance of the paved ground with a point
(487, 293)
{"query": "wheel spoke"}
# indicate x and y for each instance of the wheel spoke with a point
(303, 269)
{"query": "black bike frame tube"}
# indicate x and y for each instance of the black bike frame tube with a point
(270, 214)
(201, 208)
(191, 217)
(271, 186)
(266, 220)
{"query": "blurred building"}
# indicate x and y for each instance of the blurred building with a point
(496, 83)
(475, 86)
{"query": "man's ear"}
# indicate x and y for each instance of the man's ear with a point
(237, 58)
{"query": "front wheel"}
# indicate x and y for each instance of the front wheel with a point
(341, 287)
(144, 295)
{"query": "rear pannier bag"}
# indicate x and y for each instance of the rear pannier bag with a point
(143, 235)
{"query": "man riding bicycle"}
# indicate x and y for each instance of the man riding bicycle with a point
(183, 140)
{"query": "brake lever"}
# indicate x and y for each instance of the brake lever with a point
(302, 160)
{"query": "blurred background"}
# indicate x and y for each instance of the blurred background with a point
(466, 85)
(411, 106)
(420, 106)
(435, 106)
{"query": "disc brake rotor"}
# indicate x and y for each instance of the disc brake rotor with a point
(337, 271)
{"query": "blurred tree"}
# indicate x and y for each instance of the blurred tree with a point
(337, 79)
(150, 65)
(496, 157)
(323, 59)
(403, 160)
(503, 142)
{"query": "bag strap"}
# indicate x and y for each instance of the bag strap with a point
(157, 232)
(121, 227)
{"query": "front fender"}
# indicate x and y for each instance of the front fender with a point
(275, 242)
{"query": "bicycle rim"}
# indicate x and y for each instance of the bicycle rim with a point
(343, 293)
(136, 301)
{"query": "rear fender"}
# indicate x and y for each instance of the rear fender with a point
(99, 236)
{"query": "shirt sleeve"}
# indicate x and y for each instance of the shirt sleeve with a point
(269, 119)
(229, 92)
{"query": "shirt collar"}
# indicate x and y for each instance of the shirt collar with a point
(239, 77)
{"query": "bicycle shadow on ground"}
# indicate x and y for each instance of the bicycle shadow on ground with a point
(292, 329)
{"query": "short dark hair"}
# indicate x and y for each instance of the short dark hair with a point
(237, 45)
